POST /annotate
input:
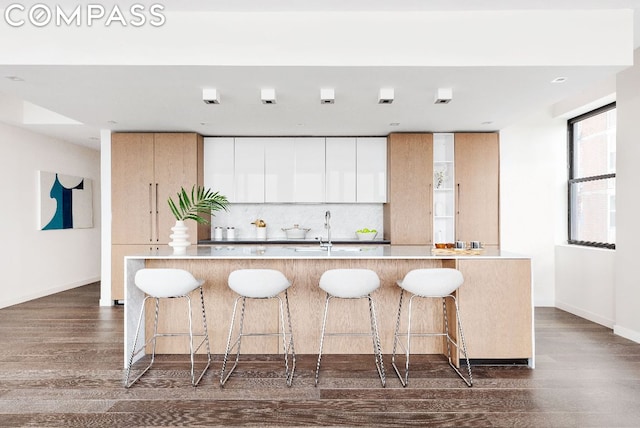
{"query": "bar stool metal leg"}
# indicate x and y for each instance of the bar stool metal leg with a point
(238, 341)
(377, 348)
(286, 347)
(324, 325)
(469, 380)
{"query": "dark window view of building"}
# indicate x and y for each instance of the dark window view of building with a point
(592, 178)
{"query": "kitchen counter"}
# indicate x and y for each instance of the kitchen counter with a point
(285, 241)
(495, 299)
(342, 250)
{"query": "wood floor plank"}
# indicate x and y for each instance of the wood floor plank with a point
(61, 366)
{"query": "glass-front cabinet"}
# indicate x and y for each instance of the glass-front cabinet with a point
(443, 188)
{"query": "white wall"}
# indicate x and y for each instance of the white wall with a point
(36, 263)
(627, 279)
(585, 287)
(533, 196)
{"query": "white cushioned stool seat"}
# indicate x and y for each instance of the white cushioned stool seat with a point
(349, 283)
(166, 282)
(258, 283)
(432, 282)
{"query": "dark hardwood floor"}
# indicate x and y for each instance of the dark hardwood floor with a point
(61, 366)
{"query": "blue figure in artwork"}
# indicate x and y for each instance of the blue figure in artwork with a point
(63, 217)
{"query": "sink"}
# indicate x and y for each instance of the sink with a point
(323, 250)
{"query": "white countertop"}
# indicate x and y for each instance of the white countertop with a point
(314, 252)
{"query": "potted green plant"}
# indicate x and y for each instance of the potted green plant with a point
(190, 206)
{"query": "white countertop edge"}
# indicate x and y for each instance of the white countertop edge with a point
(288, 252)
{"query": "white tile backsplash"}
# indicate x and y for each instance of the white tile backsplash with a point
(345, 219)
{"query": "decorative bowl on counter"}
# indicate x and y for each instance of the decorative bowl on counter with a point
(296, 232)
(366, 234)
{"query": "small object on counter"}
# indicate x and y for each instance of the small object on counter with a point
(475, 245)
(217, 233)
(450, 245)
(459, 245)
(441, 245)
(366, 234)
(261, 229)
(296, 232)
(261, 233)
(231, 233)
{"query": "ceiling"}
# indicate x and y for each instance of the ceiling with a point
(74, 102)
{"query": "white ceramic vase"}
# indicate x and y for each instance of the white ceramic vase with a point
(179, 238)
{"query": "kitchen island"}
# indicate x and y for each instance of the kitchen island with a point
(495, 300)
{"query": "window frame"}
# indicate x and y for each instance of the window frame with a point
(571, 169)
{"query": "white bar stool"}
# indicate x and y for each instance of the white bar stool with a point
(260, 284)
(352, 284)
(437, 283)
(168, 283)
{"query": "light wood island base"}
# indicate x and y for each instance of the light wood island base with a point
(495, 302)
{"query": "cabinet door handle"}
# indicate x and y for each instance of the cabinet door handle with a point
(457, 211)
(431, 213)
(150, 213)
(157, 217)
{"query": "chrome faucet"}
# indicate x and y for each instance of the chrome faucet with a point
(327, 225)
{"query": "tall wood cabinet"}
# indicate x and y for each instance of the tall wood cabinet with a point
(477, 158)
(409, 215)
(146, 169)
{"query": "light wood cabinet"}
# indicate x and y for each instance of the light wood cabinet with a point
(496, 307)
(147, 169)
(407, 215)
(477, 158)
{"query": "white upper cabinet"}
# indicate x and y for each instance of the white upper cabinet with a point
(218, 165)
(309, 170)
(249, 169)
(371, 168)
(279, 168)
(297, 169)
(341, 169)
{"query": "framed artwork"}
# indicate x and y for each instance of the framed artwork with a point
(66, 202)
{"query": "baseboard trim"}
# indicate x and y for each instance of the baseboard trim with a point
(598, 319)
(46, 292)
(627, 333)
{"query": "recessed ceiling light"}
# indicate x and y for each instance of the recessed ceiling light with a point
(559, 80)
(327, 96)
(394, 124)
(210, 96)
(488, 122)
(443, 96)
(268, 96)
(15, 78)
(111, 122)
(385, 96)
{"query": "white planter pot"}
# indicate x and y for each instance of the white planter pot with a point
(179, 238)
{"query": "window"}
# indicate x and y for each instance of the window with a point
(592, 178)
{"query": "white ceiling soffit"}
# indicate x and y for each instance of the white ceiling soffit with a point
(498, 62)
(391, 38)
